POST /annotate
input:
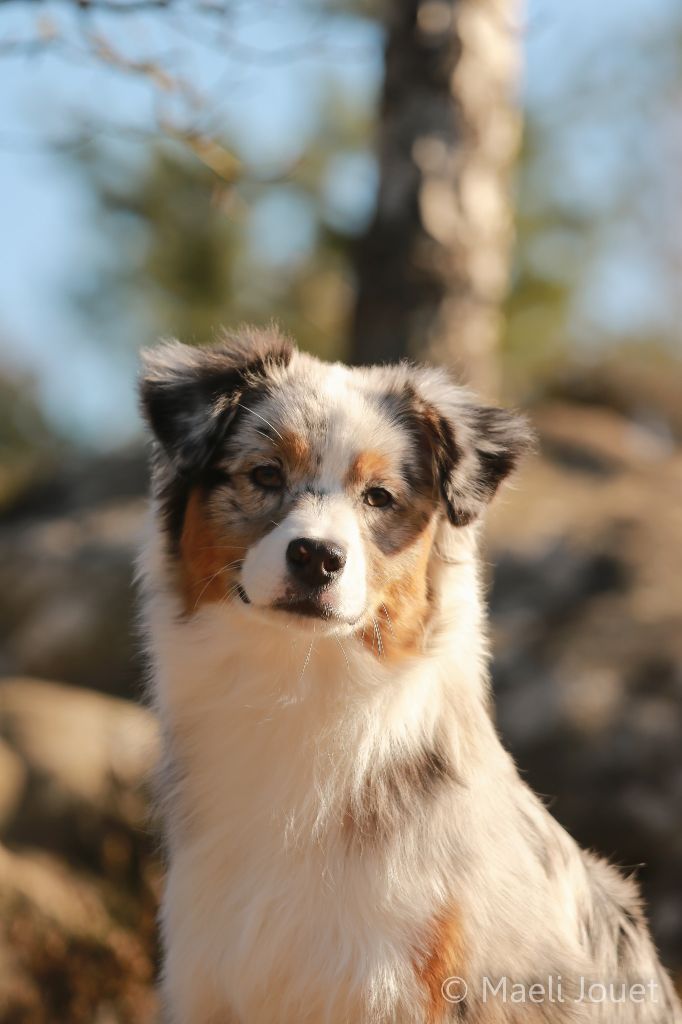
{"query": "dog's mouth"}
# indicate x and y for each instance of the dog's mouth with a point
(305, 607)
(308, 607)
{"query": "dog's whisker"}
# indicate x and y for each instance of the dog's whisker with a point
(377, 633)
(246, 408)
(208, 580)
(307, 659)
(343, 651)
(224, 568)
(388, 619)
(222, 547)
(231, 593)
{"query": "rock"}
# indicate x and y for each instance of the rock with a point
(67, 951)
(78, 485)
(12, 784)
(80, 763)
(587, 615)
(79, 873)
(67, 602)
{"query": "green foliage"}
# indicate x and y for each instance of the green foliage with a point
(592, 175)
(175, 241)
(189, 248)
(26, 443)
(537, 310)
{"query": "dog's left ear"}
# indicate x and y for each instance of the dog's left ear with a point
(475, 447)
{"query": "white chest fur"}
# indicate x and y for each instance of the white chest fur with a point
(269, 899)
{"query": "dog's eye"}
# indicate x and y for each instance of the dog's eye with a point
(378, 497)
(270, 478)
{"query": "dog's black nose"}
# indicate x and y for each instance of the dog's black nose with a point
(315, 562)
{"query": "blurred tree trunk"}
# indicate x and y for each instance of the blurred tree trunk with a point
(433, 267)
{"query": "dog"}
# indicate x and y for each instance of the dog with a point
(348, 842)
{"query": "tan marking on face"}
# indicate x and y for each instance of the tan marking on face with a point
(207, 556)
(402, 604)
(295, 450)
(445, 957)
(367, 467)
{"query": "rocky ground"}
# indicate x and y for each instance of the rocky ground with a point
(587, 613)
(586, 592)
(79, 870)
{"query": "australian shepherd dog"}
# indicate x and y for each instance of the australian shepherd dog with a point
(348, 841)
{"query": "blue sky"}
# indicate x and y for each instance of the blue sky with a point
(264, 81)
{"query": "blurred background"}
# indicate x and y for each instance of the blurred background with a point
(473, 182)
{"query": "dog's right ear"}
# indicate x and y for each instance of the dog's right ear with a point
(191, 396)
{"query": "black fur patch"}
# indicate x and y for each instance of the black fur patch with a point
(498, 438)
(394, 791)
(192, 400)
(511, 437)
(446, 456)
(190, 403)
(434, 441)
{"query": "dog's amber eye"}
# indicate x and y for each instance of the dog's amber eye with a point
(270, 478)
(378, 497)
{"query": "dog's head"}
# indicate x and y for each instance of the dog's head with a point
(311, 490)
